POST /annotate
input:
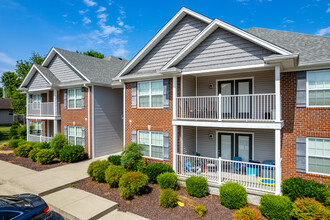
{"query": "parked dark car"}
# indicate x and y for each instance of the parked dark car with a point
(25, 206)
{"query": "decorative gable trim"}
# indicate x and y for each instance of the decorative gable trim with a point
(215, 24)
(160, 35)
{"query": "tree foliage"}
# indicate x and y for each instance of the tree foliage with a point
(92, 53)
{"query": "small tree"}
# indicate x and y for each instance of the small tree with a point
(92, 53)
(131, 155)
(57, 143)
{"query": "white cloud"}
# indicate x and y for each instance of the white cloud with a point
(120, 52)
(287, 21)
(4, 58)
(103, 18)
(86, 20)
(242, 21)
(81, 12)
(328, 11)
(117, 41)
(323, 31)
(107, 30)
(65, 15)
(110, 2)
(120, 22)
(101, 9)
(90, 3)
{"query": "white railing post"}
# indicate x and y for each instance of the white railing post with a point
(175, 87)
(55, 101)
(219, 170)
(27, 129)
(278, 180)
(277, 93)
(175, 147)
(27, 103)
(220, 110)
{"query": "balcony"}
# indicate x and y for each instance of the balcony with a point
(250, 107)
(38, 138)
(44, 109)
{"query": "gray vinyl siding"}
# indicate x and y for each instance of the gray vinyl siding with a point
(189, 140)
(171, 44)
(223, 49)
(189, 85)
(62, 70)
(264, 142)
(37, 82)
(263, 82)
(5, 118)
(108, 123)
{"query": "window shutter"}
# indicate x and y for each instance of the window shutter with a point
(133, 87)
(301, 155)
(83, 136)
(134, 136)
(301, 89)
(82, 97)
(166, 93)
(31, 99)
(65, 98)
(166, 146)
(66, 131)
(42, 98)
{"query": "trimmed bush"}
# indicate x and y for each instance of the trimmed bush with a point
(168, 198)
(13, 134)
(132, 157)
(308, 208)
(72, 154)
(247, 213)
(45, 145)
(90, 169)
(35, 144)
(99, 170)
(167, 180)
(139, 165)
(275, 207)
(233, 195)
(196, 186)
(115, 159)
(298, 187)
(154, 169)
(45, 156)
(200, 210)
(33, 154)
(132, 183)
(113, 174)
(23, 150)
(14, 143)
(57, 143)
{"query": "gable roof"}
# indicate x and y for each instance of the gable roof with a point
(160, 35)
(5, 103)
(45, 73)
(311, 48)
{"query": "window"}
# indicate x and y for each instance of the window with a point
(318, 88)
(150, 94)
(37, 130)
(75, 97)
(152, 143)
(75, 135)
(36, 100)
(318, 160)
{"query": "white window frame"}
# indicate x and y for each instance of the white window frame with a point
(74, 98)
(38, 101)
(307, 156)
(149, 95)
(75, 133)
(34, 129)
(150, 132)
(307, 89)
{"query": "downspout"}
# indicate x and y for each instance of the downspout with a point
(89, 115)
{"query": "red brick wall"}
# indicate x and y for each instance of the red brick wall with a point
(299, 122)
(158, 119)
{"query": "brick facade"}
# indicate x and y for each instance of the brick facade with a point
(299, 122)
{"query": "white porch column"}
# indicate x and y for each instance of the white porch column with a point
(277, 94)
(175, 146)
(55, 127)
(55, 101)
(27, 129)
(27, 103)
(175, 93)
(278, 165)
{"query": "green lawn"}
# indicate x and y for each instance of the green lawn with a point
(4, 128)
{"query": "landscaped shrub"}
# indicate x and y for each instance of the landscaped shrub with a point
(131, 155)
(33, 154)
(35, 144)
(23, 150)
(233, 195)
(275, 207)
(22, 142)
(200, 210)
(57, 143)
(45, 145)
(13, 130)
(247, 213)
(132, 183)
(154, 169)
(113, 174)
(327, 201)
(297, 188)
(14, 143)
(168, 198)
(115, 159)
(72, 154)
(139, 165)
(22, 132)
(196, 186)
(308, 208)
(99, 170)
(167, 180)
(45, 156)
(90, 169)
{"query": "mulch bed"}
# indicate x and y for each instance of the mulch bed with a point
(147, 205)
(6, 154)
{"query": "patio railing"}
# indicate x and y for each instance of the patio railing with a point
(42, 109)
(38, 138)
(251, 175)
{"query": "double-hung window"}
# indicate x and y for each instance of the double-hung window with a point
(74, 98)
(75, 135)
(150, 94)
(318, 88)
(37, 128)
(36, 101)
(152, 143)
(318, 155)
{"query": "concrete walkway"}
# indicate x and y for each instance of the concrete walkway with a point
(53, 185)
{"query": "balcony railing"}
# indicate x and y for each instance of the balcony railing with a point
(250, 107)
(37, 138)
(42, 109)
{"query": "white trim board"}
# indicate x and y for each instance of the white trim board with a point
(30, 75)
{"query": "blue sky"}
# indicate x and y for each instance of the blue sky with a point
(122, 28)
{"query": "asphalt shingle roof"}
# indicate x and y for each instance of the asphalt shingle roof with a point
(5, 103)
(311, 48)
(48, 74)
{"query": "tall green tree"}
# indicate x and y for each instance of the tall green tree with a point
(10, 83)
(1, 92)
(92, 53)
